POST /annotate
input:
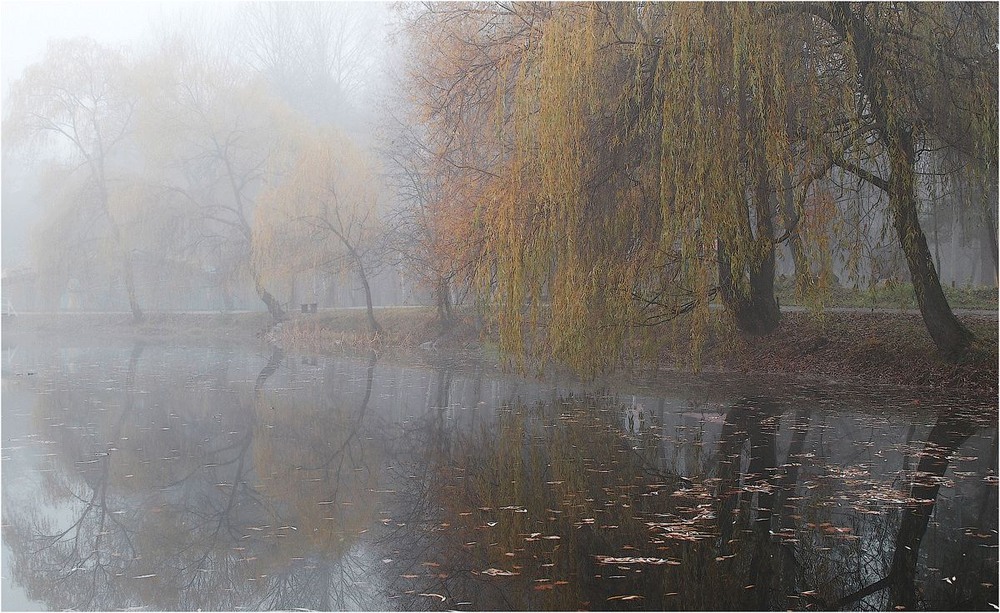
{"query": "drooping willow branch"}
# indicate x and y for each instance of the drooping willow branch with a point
(674, 311)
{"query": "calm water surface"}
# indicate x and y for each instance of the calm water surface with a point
(183, 478)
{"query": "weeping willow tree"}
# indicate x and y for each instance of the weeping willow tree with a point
(926, 79)
(80, 102)
(323, 215)
(214, 136)
(651, 145)
(736, 89)
(461, 58)
(659, 152)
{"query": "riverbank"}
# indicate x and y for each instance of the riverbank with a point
(876, 348)
(157, 327)
(859, 346)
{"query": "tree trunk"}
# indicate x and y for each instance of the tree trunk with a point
(373, 326)
(991, 229)
(756, 311)
(133, 300)
(127, 268)
(949, 335)
(794, 239)
(949, 433)
(442, 294)
(227, 296)
(273, 306)
(97, 167)
(935, 200)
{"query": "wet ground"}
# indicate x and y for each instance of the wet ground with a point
(234, 478)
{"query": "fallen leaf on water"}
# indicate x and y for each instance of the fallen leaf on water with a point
(611, 560)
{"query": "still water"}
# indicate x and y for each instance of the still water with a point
(233, 478)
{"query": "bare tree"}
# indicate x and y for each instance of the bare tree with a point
(217, 136)
(318, 56)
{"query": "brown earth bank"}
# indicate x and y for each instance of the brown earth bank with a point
(852, 347)
(878, 348)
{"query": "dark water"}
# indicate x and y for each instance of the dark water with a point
(175, 478)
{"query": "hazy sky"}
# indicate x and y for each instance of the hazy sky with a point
(27, 26)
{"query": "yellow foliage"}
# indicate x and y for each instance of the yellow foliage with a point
(322, 214)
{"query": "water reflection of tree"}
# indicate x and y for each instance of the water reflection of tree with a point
(555, 507)
(320, 473)
(900, 579)
(519, 513)
(822, 564)
(205, 528)
(78, 565)
(270, 494)
(416, 534)
(764, 560)
(199, 533)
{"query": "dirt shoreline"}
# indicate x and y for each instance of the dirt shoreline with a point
(857, 347)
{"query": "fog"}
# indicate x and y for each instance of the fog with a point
(743, 256)
(265, 46)
(191, 193)
(26, 29)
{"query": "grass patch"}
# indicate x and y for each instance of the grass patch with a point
(402, 327)
(890, 296)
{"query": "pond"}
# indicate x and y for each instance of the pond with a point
(234, 478)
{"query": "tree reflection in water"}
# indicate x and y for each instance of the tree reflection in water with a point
(554, 507)
(287, 489)
(207, 516)
(76, 565)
